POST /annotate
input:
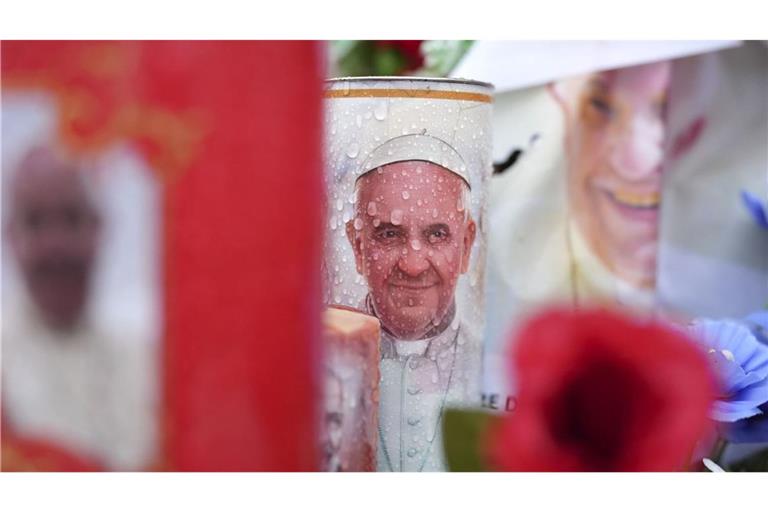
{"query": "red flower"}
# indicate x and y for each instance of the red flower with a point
(601, 392)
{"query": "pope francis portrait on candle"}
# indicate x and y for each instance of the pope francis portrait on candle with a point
(412, 235)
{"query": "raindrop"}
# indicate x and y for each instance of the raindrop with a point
(434, 213)
(353, 150)
(460, 205)
(339, 204)
(396, 217)
(406, 195)
(380, 111)
(418, 202)
(376, 222)
(455, 323)
(333, 222)
(346, 217)
(358, 223)
(416, 245)
(371, 208)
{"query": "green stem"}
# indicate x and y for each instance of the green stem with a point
(719, 450)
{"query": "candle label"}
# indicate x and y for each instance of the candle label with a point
(408, 161)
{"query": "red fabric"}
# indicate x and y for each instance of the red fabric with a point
(601, 392)
(233, 130)
(243, 239)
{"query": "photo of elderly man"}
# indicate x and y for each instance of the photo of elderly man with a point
(412, 235)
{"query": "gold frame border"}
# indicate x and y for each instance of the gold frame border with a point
(408, 93)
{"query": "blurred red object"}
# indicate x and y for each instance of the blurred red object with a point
(243, 244)
(233, 131)
(602, 392)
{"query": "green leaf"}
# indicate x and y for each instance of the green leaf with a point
(754, 463)
(355, 59)
(463, 435)
(441, 57)
(387, 62)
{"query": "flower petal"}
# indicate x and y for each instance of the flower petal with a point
(729, 412)
(712, 466)
(736, 338)
(756, 393)
(758, 322)
(756, 208)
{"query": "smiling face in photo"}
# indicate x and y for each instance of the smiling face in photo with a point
(412, 237)
(615, 145)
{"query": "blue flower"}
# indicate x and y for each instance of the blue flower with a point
(756, 208)
(758, 324)
(741, 362)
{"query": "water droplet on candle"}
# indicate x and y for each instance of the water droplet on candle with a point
(380, 110)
